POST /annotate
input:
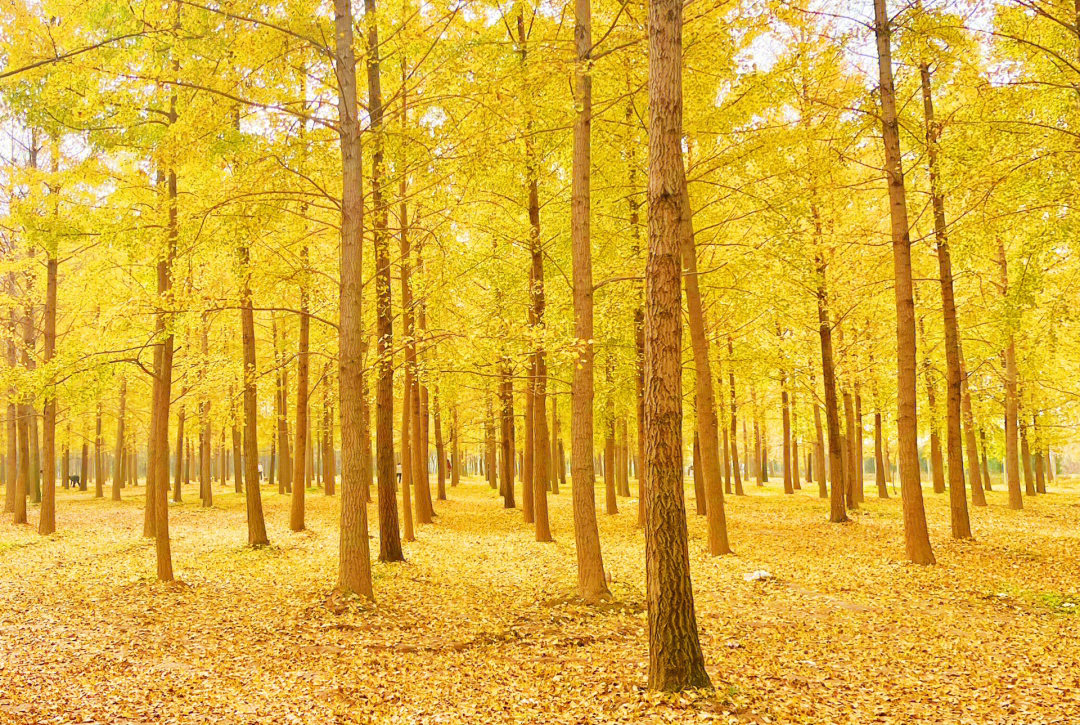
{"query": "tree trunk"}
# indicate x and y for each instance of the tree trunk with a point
(917, 540)
(786, 417)
(506, 442)
(1025, 456)
(837, 509)
(440, 452)
(1012, 400)
(705, 399)
(47, 515)
(675, 658)
(592, 585)
(735, 472)
(699, 485)
(978, 497)
(961, 526)
(300, 461)
(879, 459)
(354, 565)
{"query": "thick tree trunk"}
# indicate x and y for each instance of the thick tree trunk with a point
(354, 565)
(917, 540)
(592, 585)
(675, 658)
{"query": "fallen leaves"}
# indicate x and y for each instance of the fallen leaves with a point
(481, 624)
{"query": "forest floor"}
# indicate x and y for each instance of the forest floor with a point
(479, 626)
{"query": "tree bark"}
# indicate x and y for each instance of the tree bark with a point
(675, 658)
(354, 565)
(958, 512)
(916, 538)
(592, 585)
(706, 401)
(1012, 399)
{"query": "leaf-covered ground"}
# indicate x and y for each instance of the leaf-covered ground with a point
(479, 625)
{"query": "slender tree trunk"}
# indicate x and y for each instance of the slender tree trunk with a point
(592, 585)
(1025, 456)
(699, 485)
(99, 462)
(506, 441)
(440, 452)
(786, 416)
(837, 509)
(296, 507)
(736, 473)
(47, 515)
(879, 459)
(706, 400)
(205, 480)
(1012, 398)
(937, 471)
(675, 658)
(917, 540)
(978, 497)
(961, 525)
(118, 470)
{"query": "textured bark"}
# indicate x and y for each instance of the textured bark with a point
(384, 327)
(675, 658)
(591, 581)
(916, 538)
(354, 565)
